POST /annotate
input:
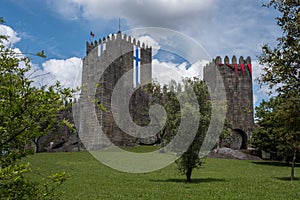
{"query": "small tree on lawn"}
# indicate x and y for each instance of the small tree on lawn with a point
(168, 97)
(190, 159)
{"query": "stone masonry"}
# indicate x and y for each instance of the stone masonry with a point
(237, 80)
(106, 61)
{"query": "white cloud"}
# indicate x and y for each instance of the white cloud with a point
(260, 92)
(143, 12)
(11, 34)
(147, 40)
(164, 72)
(68, 72)
(222, 27)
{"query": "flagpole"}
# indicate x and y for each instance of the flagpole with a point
(90, 36)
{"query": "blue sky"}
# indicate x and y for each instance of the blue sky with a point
(61, 27)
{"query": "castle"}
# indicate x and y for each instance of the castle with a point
(237, 80)
(112, 57)
(108, 60)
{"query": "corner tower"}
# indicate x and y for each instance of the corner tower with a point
(237, 80)
(106, 61)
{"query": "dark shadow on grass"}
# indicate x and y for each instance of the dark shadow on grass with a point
(274, 163)
(195, 181)
(286, 178)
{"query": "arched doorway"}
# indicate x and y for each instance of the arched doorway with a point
(241, 137)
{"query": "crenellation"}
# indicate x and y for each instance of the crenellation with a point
(235, 74)
(112, 38)
(219, 60)
(234, 60)
(241, 60)
(248, 60)
(113, 63)
(119, 35)
(226, 60)
(238, 87)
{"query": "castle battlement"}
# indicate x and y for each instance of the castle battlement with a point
(114, 37)
(242, 66)
(236, 76)
(108, 61)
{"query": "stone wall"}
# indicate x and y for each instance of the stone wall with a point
(237, 79)
(99, 78)
(61, 138)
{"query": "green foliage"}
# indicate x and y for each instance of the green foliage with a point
(176, 112)
(26, 112)
(264, 136)
(190, 159)
(279, 126)
(14, 185)
(226, 132)
(41, 54)
(279, 118)
(281, 64)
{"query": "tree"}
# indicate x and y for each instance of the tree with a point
(279, 127)
(168, 97)
(288, 116)
(26, 112)
(190, 159)
(264, 136)
(282, 63)
(226, 132)
(282, 71)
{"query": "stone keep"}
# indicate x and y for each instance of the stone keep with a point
(114, 56)
(106, 61)
(237, 80)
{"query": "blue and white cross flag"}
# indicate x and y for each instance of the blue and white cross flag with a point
(101, 48)
(136, 66)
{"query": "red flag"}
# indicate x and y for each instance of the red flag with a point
(92, 34)
(242, 68)
(235, 68)
(250, 68)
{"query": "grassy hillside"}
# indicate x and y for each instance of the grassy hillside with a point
(217, 179)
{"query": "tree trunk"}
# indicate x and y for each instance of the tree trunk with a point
(293, 165)
(189, 174)
(219, 144)
(36, 142)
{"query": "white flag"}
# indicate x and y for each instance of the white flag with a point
(136, 65)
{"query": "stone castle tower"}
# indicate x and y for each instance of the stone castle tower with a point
(106, 61)
(237, 80)
(116, 56)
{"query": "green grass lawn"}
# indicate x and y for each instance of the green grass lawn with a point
(217, 179)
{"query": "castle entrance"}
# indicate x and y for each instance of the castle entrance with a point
(239, 139)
